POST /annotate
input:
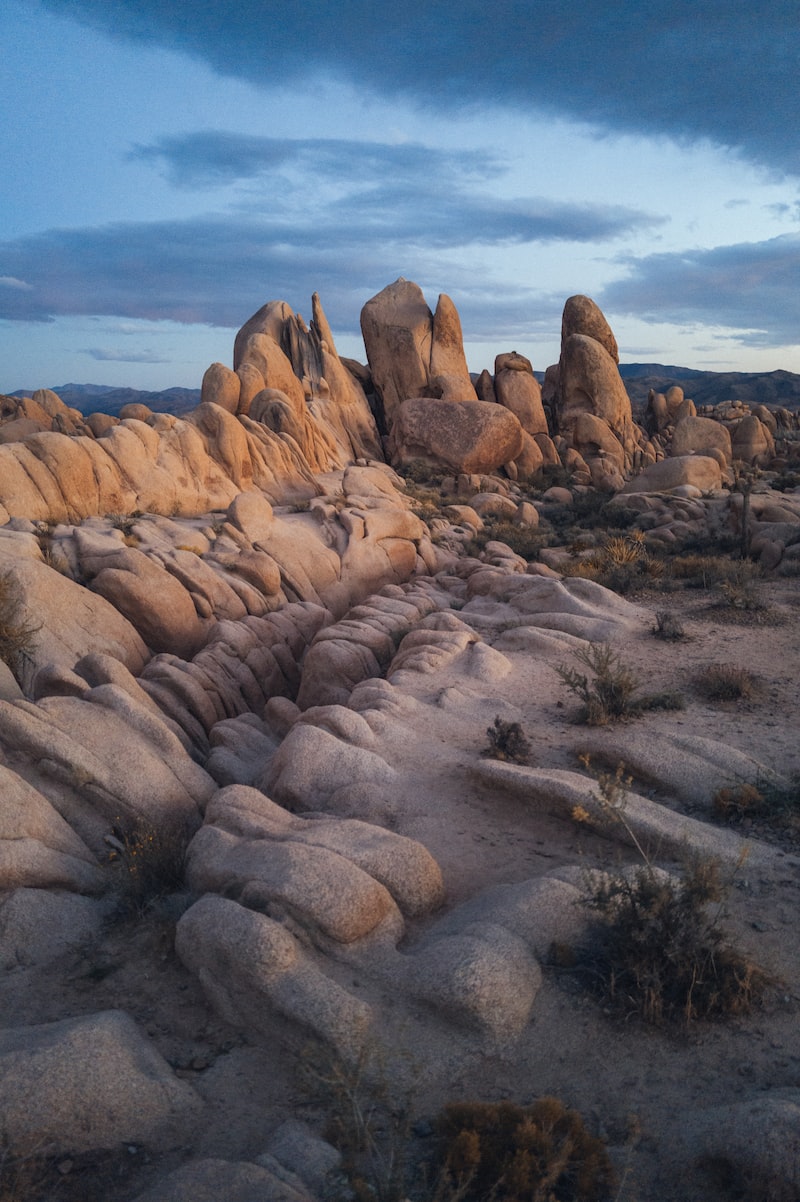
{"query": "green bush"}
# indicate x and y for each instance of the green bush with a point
(510, 1153)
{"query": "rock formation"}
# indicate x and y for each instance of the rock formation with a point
(253, 660)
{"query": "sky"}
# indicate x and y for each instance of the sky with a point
(168, 168)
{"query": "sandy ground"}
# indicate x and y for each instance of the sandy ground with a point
(634, 1084)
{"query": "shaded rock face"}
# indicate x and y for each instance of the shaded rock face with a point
(91, 1083)
(408, 347)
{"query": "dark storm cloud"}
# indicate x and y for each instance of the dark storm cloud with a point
(687, 68)
(753, 287)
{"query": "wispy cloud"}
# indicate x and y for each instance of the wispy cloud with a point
(752, 287)
(208, 158)
(400, 210)
(107, 355)
(688, 69)
(10, 281)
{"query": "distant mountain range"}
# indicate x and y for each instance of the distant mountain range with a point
(100, 398)
(704, 387)
(710, 387)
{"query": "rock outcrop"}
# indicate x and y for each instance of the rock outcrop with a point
(409, 348)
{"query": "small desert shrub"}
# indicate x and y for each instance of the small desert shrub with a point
(726, 682)
(766, 802)
(739, 590)
(621, 563)
(608, 691)
(149, 863)
(668, 626)
(511, 1153)
(419, 471)
(17, 632)
(124, 521)
(655, 951)
(507, 742)
(522, 540)
(369, 1120)
(696, 570)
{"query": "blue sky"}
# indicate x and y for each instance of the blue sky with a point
(169, 168)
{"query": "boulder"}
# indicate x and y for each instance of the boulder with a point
(312, 765)
(482, 977)
(89, 1084)
(590, 383)
(447, 350)
(251, 966)
(38, 925)
(68, 621)
(221, 386)
(471, 436)
(211, 1180)
(701, 471)
(38, 849)
(154, 602)
(401, 865)
(593, 438)
(521, 392)
(582, 316)
(752, 442)
(397, 327)
(699, 436)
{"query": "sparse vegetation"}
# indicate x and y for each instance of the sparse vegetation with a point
(368, 1121)
(507, 741)
(17, 631)
(655, 951)
(124, 521)
(526, 541)
(765, 803)
(668, 626)
(537, 1153)
(726, 682)
(22, 1173)
(608, 691)
(149, 863)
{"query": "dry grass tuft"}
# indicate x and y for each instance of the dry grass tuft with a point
(726, 682)
(668, 626)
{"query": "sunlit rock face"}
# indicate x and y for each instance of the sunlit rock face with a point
(413, 352)
(589, 386)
